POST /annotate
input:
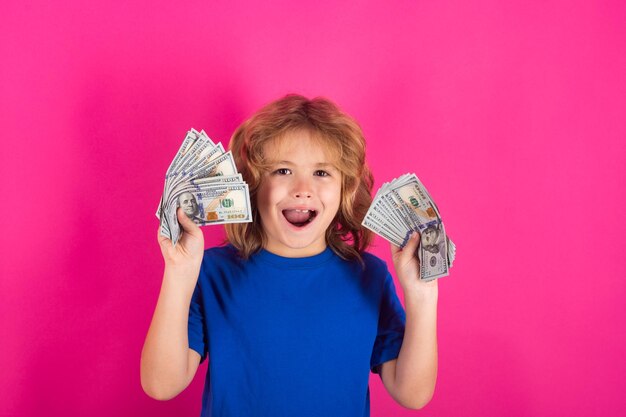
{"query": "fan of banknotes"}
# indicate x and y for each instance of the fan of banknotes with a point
(403, 206)
(202, 180)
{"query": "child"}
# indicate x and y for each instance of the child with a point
(293, 313)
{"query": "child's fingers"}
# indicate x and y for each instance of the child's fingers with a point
(408, 250)
(160, 237)
(164, 242)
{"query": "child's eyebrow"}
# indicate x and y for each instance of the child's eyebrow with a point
(324, 164)
(318, 165)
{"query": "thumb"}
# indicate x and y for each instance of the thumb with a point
(188, 225)
(409, 249)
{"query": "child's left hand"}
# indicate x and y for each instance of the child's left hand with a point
(407, 267)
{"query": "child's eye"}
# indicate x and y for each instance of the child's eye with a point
(322, 173)
(282, 171)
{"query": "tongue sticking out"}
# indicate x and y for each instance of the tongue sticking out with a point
(298, 217)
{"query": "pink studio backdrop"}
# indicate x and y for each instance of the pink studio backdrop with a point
(512, 114)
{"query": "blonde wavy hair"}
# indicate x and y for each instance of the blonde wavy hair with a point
(340, 135)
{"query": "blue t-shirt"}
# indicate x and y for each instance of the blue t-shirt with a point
(292, 336)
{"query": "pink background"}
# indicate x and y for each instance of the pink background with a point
(512, 114)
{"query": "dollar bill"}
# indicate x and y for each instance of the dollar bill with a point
(403, 206)
(212, 204)
(202, 179)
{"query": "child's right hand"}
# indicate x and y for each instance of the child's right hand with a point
(187, 255)
(167, 363)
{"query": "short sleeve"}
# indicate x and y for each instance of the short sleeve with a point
(391, 324)
(196, 328)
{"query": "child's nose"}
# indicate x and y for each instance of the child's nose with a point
(302, 189)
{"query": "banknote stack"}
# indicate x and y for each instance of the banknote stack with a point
(202, 180)
(403, 206)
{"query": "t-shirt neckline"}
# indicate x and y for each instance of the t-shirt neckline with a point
(285, 262)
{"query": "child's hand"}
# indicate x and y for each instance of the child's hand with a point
(190, 247)
(407, 267)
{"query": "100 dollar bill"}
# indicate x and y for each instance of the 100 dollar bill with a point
(211, 204)
(403, 206)
(423, 215)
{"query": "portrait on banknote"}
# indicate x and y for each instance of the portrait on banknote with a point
(431, 239)
(188, 203)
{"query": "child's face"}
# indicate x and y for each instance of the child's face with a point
(299, 196)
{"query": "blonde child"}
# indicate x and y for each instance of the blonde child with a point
(293, 314)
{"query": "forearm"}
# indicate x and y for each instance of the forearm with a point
(416, 367)
(165, 355)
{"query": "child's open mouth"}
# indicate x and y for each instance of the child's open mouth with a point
(299, 217)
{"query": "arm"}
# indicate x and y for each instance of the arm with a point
(167, 363)
(410, 379)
